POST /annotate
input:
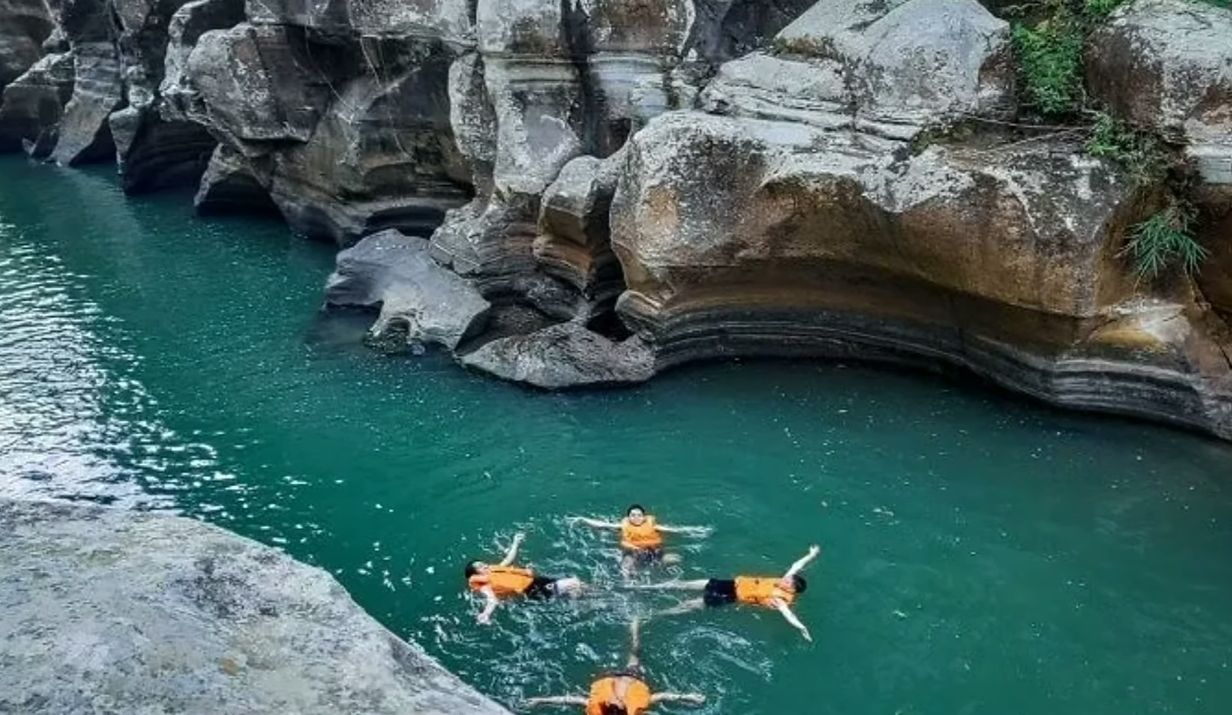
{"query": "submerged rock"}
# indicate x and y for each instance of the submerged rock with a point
(116, 611)
(564, 355)
(416, 296)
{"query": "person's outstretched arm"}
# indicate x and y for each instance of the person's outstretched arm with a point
(490, 604)
(700, 532)
(512, 554)
(790, 615)
(594, 523)
(805, 560)
(686, 698)
(556, 700)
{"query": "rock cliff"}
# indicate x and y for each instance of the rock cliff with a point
(115, 611)
(592, 191)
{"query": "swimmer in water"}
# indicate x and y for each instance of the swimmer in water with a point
(641, 537)
(623, 692)
(776, 592)
(504, 580)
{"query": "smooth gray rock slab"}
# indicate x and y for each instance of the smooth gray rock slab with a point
(564, 355)
(109, 611)
(395, 271)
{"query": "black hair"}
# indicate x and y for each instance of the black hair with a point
(799, 584)
(639, 507)
(472, 568)
(613, 709)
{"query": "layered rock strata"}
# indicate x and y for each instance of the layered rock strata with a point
(115, 611)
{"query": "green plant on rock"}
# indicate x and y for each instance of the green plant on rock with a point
(1141, 155)
(1050, 60)
(1165, 241)
(1100, 9)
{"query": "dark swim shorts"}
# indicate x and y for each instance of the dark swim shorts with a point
(542, 587)
(645, 557)
(719, 592)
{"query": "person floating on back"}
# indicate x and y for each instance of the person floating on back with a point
(623, 692)
(504, 580)
(641, 537)
(777, 592)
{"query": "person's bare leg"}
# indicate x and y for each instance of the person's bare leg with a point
(693, 604)
(628, 565)
(673, 585)
(635, 643)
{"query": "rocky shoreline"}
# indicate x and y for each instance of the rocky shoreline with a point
(591, 192)
(110, 611)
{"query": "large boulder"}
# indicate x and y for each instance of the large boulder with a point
(744, 236)
(1167, 65)
(891, 68)
(419, 301)
(563, 356)
(105, 610)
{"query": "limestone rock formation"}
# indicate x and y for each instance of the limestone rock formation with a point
(1167, 65)
(564, 355)
(33, 104)
(115, 611)
(890, 68)
(751, 237)
(417, 298)
(574, 242)
(26, 24)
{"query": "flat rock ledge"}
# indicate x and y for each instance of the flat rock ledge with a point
(110, 611)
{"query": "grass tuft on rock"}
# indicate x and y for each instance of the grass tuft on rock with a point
(1165, 241)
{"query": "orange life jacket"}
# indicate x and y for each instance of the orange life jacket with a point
(505, 581)
(644, 536)
(763, 591)
(603, 692)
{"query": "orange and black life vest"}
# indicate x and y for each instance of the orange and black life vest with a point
(603, 691)
(505, 581)
(642, 536)
(761, 591)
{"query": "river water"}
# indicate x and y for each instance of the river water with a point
(982, 554)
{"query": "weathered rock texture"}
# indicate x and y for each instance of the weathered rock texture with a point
(587, 192)
(417, 298)
(114, 611)
(26, 24)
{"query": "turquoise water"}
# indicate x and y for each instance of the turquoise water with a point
(981, 554)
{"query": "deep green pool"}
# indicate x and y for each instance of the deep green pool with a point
(982, 554)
